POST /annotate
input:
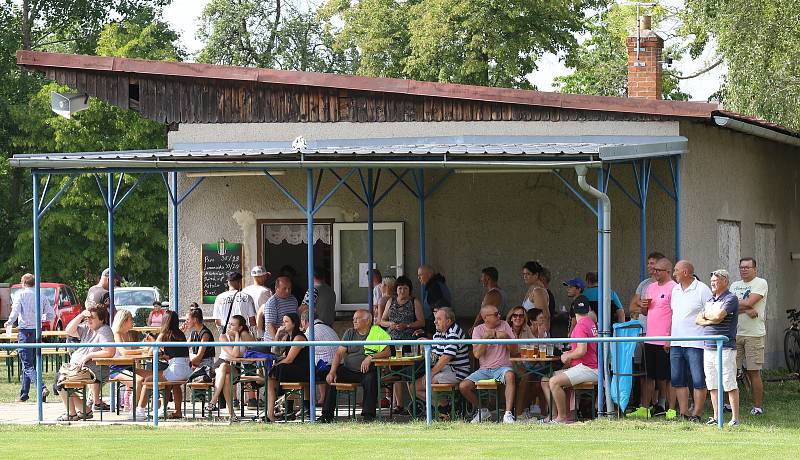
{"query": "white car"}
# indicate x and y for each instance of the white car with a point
(135, 299)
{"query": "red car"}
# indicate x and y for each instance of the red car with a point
(65, 304)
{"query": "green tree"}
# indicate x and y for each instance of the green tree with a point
(269, 34)
(493, 43)
(74, 231)
(601, 62)
(759, 42)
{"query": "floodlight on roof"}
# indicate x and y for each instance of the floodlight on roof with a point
(65, 104)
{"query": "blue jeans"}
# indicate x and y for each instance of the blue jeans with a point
(683, 359)
(27, 357)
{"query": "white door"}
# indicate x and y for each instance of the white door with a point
(350, 258)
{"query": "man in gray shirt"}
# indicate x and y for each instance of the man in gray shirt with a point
(353, 364)
(324, 299)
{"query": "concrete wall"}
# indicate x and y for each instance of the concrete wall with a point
(737, 177)
(473, 221)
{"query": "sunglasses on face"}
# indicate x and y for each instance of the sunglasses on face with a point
(518, 315)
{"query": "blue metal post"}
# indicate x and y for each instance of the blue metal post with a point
(677, 184)
(720, 388)
(155, 389)
(175, 204)
(428, 396)
(110, 217)
(644, 185)
(601, 308)
(370, 234)
(311, 301)
(110, 194)
(420, 179)
(38, 295)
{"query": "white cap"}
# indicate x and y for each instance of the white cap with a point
(258, 270)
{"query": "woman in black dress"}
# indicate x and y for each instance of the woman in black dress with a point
(294, 365)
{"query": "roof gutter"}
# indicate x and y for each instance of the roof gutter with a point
(118, 164)
(755, 130)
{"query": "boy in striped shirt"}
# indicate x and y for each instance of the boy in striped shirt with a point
(451, 361)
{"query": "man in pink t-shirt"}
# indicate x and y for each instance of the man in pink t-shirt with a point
(657, 305)
(495, 363)
(581, 360)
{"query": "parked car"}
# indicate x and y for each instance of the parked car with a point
(137, 300)
(65, 303)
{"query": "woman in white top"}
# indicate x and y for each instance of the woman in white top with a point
(536, 296)
(237, 331)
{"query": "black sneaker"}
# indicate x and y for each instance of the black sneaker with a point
(711, 421)
(658, 411)
(691, 418)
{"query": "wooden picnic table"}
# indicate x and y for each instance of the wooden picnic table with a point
(241, 362)
(145, 329)
(129, 360)
(396, 367)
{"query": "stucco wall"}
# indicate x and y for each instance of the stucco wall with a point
(733, 176)
(473, 220)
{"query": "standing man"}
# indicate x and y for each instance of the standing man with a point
(234, 302)
(493, 295)
(592, 292)
(720, 317)
(689, 297)
(635, 306)
(259, 291)
(23, 310)
(324, 299)
(280, 304)
(751, 332)
(575, 288)
(657, 305)
(435, 294)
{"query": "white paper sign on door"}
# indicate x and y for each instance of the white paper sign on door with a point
(363, 276)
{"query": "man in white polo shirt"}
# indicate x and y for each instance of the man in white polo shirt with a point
(751, 331)
(689, 297)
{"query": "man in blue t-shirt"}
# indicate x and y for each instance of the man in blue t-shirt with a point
(592, 292)
(720, 316)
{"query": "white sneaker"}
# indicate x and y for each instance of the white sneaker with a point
(141, 414)
(508, 417)
(757, 411)
(483, 415)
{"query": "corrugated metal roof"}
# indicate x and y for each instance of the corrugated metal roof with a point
(469, 148)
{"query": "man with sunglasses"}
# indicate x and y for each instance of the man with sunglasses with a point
(751, 331)
(657, 305)
(495, 363)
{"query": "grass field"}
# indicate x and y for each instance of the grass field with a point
(774, 435)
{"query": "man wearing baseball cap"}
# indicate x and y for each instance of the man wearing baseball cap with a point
(259, 292)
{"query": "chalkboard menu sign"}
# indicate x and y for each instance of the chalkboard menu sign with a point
(219, 259)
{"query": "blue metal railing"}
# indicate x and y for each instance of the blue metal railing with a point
(718, 339)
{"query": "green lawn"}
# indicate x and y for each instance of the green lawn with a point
(775, 435)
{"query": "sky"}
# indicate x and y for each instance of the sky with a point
(183, 14)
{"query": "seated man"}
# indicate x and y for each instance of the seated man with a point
(581, 360)
(495, 363)
(450, 362)
(94, 330)
(353, 364)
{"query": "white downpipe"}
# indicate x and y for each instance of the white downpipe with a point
(606, 264)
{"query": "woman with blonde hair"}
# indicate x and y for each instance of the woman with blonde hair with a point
(387, 291)
(121, 327)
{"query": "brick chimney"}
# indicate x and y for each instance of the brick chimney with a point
(644, 71)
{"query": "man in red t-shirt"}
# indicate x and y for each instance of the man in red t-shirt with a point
(581, 361)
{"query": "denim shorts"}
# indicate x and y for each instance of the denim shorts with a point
(685, 363)
(498, 373)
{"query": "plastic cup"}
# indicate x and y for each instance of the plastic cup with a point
(398, 351)
(542, 351)
(549, 349)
